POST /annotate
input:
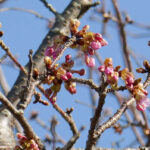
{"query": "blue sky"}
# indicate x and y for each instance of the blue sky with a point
(23, 31)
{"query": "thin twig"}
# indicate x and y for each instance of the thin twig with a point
(30, 68)
(29, 89)
(6, 49)
(3, 82)
(89, 82)
(50, 7)
(147, 81)
(85, 104)
(122, 35)
(2, 58)
(25, 10)
(121, 88)
(92, 96)
(70, 143)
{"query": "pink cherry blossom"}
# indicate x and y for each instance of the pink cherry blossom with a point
(98, 37)
(49, 51)
(91, 51)
(109, 70)
(95, 45)
(69, 75)
(67, 57)
(81, 72)
(101, 68)
(142, 104)
(104, 42)
(64, 77)
(90, 61)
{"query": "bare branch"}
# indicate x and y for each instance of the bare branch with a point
(20, 117)
(95, 118)
(122, 35)
(3, 83)
(6, 49)
(2, 58)
(50, 7)
(110, 122)
(89, 82)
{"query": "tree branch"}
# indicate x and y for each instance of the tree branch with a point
(24, 123)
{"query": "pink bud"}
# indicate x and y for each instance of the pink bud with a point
(129, 86)
(104, 42)
(130, 80)
(55, 55)
(101, 68)
(82, 72)
(69, 75)
(64, 77)
(109, 70)
(115, 77)
(48, 92)
(72, 90)
(85, 28)
(98, 37)
(90, 61)
(21, 137)
(67, 57)
(52, 99)
(95, 45)
(49, 51)
(91, 51)
(142, 104)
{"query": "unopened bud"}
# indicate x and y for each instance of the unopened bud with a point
(147, 131)
(67, 57)
(141, 70)
(146, 65)
(117, 68)
(137, 81)
(82, 72)
(47, 61)
(35, 73)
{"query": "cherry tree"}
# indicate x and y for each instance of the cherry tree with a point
(50, 70)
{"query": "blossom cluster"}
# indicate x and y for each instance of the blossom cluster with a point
(25, 144)
(137, 89)
(110, 72)
(59, 74)
(87, 42)
(53, 51)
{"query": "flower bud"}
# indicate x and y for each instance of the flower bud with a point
(82, 72)
(49, 51)
(90, 61)
(69, 75)
(35, 73)
(95, 45)
(47, 61)
(141, 70)
(67, 57)
(146, 65)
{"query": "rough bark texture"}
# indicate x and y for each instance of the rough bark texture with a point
(74, 10)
